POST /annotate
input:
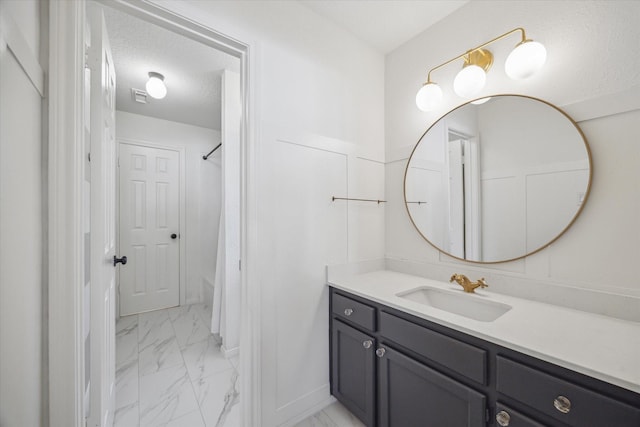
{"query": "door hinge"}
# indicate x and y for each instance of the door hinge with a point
(487, 415)
(240, 264)
(89, 157)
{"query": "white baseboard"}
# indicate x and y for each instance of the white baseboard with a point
(309, 412)
(230, 352)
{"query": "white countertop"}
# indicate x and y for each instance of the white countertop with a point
(599, 346)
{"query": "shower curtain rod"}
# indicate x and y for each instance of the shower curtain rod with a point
(211, 152)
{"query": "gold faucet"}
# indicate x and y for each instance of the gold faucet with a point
(467, 284)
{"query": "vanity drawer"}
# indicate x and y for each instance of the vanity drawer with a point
(562, 400)
(354, 311)
(456, 355)
(505, 416)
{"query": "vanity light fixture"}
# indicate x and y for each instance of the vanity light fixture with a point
(155, 85)
(524, 60)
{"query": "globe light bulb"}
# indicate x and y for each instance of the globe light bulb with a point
(429, 96)
(155, 86)
(469, 81)
(525, 60)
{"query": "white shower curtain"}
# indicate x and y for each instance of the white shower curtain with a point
(225, 319)
(218, 282)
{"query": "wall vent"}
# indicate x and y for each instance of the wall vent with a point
(139, 95)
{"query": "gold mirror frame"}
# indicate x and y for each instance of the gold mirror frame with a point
(527, 253)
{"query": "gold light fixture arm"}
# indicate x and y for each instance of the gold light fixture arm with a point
(477, 48)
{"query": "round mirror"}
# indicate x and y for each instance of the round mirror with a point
(498, 180)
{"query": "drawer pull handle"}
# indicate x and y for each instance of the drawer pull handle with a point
(348, 312)
(367, 344)
(562, 404)
(380, 352)
(503, 418)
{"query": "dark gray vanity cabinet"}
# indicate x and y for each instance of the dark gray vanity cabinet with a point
(561, 399)
(353, 370)
(506, 416)
(412, 394)
(384, 387)
(353, 361)
(392, 369)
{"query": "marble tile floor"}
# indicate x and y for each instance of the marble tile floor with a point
(170, 371)
(334, 415)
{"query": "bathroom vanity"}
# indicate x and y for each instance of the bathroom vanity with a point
(408, 351)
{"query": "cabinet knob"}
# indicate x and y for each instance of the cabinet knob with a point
(367, 344)
(348, 312)
(562, 404)
(380, 352)
(503, 418)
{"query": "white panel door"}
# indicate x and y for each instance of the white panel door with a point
(149, 228)
(103, 242)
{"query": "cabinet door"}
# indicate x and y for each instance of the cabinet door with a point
(412, 394)
(353, 371)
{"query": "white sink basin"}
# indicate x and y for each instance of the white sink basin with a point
(471, 306)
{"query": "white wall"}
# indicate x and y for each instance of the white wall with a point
(22, 352)
(203, 188)
(566, 28)
(320, 119)
(313, 76)
(602, 244)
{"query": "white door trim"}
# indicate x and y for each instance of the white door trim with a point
(65, 212)
(66, 245)
(182, 211)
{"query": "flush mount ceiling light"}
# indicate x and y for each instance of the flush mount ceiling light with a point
(155, 85)
(523, 61)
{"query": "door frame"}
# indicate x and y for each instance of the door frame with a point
(65, 202)
(182, 211)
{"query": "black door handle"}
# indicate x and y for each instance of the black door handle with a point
(122, 260)
(174, 235)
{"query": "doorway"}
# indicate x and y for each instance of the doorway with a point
(168, 217)
(67, 201)
(463, 153)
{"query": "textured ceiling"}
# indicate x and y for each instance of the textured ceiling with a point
(385, 24)
(192, 71)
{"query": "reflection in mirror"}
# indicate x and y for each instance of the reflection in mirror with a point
(498, 181)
